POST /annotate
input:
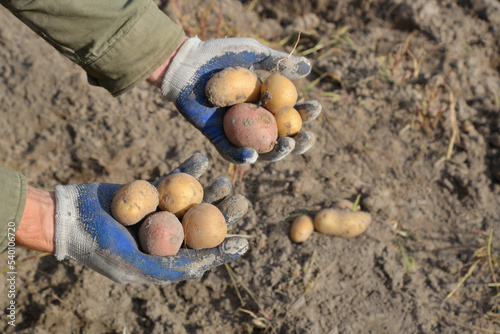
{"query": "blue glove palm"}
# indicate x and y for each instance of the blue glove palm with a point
(86, 232)
(196, 62)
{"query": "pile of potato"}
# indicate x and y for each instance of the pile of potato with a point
(260, 112)
(178, 197)
(341, 220)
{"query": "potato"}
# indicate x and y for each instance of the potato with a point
(233, 85)
(178, 192)
(204, 226)
(161, 234)
(302, 228)
(249, 125)
(278, 93)
(341, 223)
(133, 201)
(289, 122)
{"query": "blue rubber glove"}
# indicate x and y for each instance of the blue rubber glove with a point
(196, 62)
(86, 232)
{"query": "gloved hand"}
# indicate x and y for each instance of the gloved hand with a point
(86, 232)
(196, 62)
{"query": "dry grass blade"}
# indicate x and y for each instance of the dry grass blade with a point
(246, 236)
(291, 53)
(454, 123)
(250, 293)
(232, 276)
(294, 215)
(490, 258)
(469, 272)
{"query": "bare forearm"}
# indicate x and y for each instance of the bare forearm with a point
(36, 230)
(157, 76)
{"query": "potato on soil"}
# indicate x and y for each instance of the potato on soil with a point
(133, 201)
(278, 93)
(178, 192)
(161, 234)
(289, 122)
(204, 226)
(233, 85)
(341, 223)
(249, 125)
(302, 228)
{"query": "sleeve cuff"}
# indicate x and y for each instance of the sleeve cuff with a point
(141, 50)
(12, 202)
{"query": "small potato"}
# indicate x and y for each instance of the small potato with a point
(289, 122)
(341, 223)
(249, 125)
(161, 234)
(178, 192)
(133, 201)
(204, 226)
(233, 85)
(302, 228)
(278, 93)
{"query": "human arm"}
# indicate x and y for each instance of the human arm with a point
(119, 43)
(36, 230)
(75, 222)
(196, 61)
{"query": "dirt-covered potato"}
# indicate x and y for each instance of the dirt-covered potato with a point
(233, 85)
(249, 125)
(302, 228)
(341, 223)
(133, 201)
(204, 226)
(161, 234)
(178, 192)
(278, 93)
(289, 122)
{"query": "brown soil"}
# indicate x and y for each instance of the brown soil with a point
(397, 80)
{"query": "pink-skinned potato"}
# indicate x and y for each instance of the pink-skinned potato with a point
(249, 125)
(161, 234)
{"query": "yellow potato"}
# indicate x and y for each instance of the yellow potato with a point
(133, 201)
(289, 122)
(178, 192)
(204, 226)
(302, 228)
(341, 223)
(278, 93)
(233, 85)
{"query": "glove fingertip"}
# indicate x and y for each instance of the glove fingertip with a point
(196, 165)
(309, 110)
(233, 248)
(303, 142)
(241, 156)
(217, 190)
(284, 146)
(233, 208)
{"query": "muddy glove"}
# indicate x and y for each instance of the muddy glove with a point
(196, 62)
(86, 232)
